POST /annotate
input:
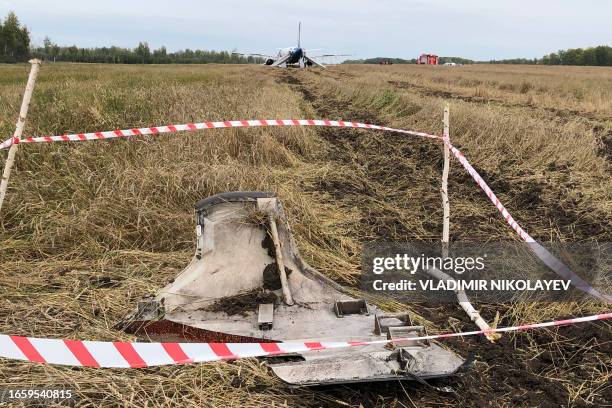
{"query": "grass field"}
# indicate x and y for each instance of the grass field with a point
(89, 228)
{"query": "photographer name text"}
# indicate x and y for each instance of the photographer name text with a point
(472, 285)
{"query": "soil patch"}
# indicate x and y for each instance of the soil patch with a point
(271, 277)
(268, 243)
(562, 114)
(243, 303)
(373, 168)
(103, 282)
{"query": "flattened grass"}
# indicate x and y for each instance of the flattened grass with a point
(89, 228)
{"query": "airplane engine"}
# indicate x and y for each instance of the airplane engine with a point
(269, 61)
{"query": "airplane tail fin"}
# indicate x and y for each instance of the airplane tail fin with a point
(299, 31)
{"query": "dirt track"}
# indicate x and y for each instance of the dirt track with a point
(385, 165)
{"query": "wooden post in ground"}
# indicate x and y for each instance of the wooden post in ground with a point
(445, 171)
(23, 113)
(462, 298)
(279, 260)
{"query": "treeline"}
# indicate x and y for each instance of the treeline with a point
(377, 60)
(14, 40)
(139, 55)
(456, 60)
(594, 56)
(513, 61)
(15, 47)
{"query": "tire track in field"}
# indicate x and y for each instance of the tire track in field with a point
(375, 172)
(375, 168)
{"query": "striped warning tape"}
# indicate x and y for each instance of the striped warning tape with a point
(77, 137)
(485, 187)
(550, 260)
(126, 354)
(8, 143)
(137, 354)
(542, 253)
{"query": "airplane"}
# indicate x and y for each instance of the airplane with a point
(292, 56)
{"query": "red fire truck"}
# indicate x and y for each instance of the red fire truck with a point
(428, 59)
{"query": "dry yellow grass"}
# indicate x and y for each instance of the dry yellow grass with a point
(123, 209)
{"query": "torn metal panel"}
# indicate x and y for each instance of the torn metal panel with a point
(231, 289)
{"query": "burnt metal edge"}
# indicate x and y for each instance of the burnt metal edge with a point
(166, 330)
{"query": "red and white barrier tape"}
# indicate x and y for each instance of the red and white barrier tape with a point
(126, 354)
(77, 137)
(136, 355)
(542, 253)
(549, 259)
(8, 143)
(483, 185)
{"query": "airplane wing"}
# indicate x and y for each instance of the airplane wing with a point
(332, 55)
(313, 61)
(281, 60)
(253, 55)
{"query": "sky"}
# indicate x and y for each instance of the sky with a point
(475, 29)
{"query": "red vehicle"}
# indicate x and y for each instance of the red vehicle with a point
(428, 59)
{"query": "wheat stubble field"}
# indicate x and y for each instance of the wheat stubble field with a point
(89, 228)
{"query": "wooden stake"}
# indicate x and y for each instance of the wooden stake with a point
(445, 200)
(25, 104)
(465, 304)
(279, 260)
(462, 298)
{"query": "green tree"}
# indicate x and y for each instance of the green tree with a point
(603, 55)
(14, 40)
(554, 59)
(160, 55)
(2, 41)
(143, 52)
(589, 57)
(573, 56)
